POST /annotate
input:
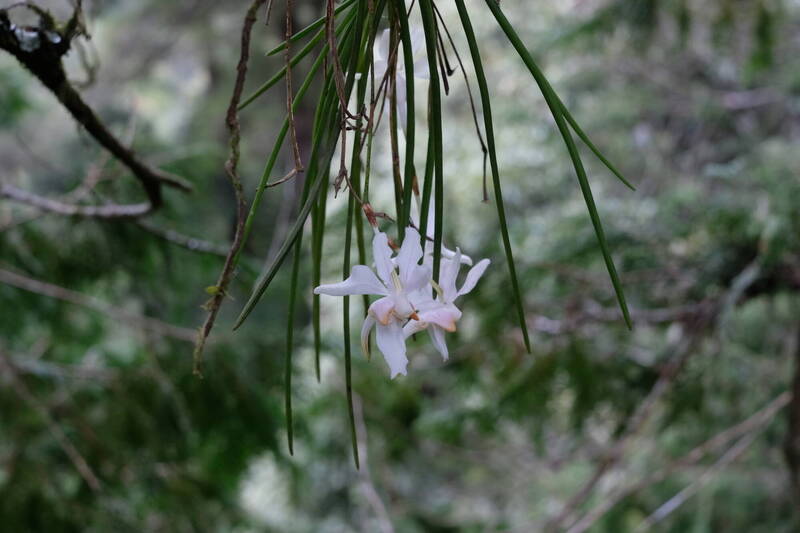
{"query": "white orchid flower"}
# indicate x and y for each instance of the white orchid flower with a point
(380, 55)
(398, 279)
(439, 315)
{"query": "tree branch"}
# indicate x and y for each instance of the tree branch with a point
(232, 121)
(108, 211)
(40, 50)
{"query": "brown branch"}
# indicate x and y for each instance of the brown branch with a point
(298, 162)
(121, 316)
(59, 435)
(184, 241)
(40, 50)
(108, 211)
(232, 122)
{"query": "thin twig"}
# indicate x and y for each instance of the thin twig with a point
(232, 122)
(121, 316)
(755, 422)
(75, 457)
(298, 162)
(108, 211)
(184, 241)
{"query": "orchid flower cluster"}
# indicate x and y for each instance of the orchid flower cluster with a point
(407, 305)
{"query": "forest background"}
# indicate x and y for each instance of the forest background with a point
(689, 422)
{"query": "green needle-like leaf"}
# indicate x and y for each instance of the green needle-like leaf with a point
(289, 347)
(556, 109)
(498, 193)
(274, 80)
(408, 57)
(435, 130)
(585, 138)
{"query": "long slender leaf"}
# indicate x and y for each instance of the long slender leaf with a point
(287, 380)
(498, 193)
(585, 138)
(278, 76)
(556, 110)
(435, 130)
(408, 58)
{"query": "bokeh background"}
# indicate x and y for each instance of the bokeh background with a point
(686, 423)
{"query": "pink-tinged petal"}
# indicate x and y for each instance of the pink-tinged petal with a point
(437, 339)
(392, 345)
(409, 254)
(369, 323)
(382, 254)
(473, 276)
(362, 280)
(382, 309)
(413, 327)
(418, 279)
(444, 316)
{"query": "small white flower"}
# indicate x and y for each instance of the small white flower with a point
(398, 279)
(439, 315)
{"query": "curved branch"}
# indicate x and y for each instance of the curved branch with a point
(40, 50)
(232, 122)
(108, 211)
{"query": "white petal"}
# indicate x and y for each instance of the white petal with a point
(369, 322)
(413, 327)
(379, 69)
(473, 276)
(418, 279)
(402, 102)
(362, 280)
(382, 309)
(381, 48)
(448, 276)
(392, 345)
(444, 316)
(437, 339)
(422, 69)
(409, 254)
(450, 254)
(418, 47)
(382, 255)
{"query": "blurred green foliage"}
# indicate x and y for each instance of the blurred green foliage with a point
(696, 102)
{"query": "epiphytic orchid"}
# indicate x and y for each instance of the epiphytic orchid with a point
(399, 277)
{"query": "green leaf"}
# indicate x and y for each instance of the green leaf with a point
(556, 109)
(498, 193)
